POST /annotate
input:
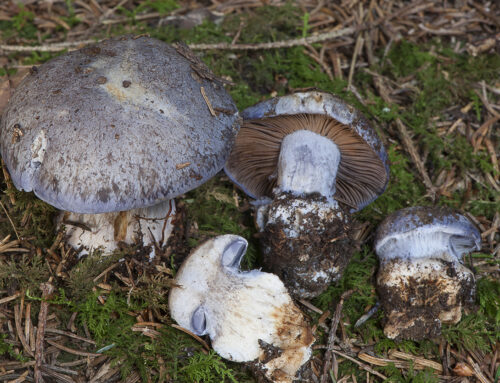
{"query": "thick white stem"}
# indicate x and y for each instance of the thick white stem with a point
(308, 163)
(105, 231)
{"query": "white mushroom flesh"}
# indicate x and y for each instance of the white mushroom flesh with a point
(90, 232)
(308, 163)
(240, 310)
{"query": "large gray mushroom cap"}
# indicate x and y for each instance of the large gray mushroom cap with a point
(118, 125)
(363, 172)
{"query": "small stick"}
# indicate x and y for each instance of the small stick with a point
(10, 220)
(57, 47)
(330, 357)
(203, 343)
(477, 371)
(8, 181)
(412, 151)
(70, 350)
(47, 290)
(207, 101)
(21, 378)
(310, 306)
(19, 329)
(106, 271)
(362, 365)
(357, 50)
(69, 334)
(11, 298)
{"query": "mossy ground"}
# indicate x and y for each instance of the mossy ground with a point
(438, 83)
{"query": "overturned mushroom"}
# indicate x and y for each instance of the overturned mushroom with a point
(125, 124)
(246, 314)
(319, 159)
(422, 281)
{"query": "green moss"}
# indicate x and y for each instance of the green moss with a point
(7, 350)
(359, 276)
(207, 368)
(32, 218)
(20, 25)
(404, 189)
(213, 208)
(163, 7)
(82, 275)
(394, 374)
(172, 352)
(23, 272)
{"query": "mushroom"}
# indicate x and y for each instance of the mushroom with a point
(117, 128)
(421, 279)
(248, 315)
(319, 160)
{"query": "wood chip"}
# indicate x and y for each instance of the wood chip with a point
(182, 166)
(207, 101)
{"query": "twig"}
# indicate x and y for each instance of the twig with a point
(69, 334)
(11, 298)
(10, 220)
(57, 47)
(207, 101)
(368, 315)
(310, 306)
(19, 329)
(70, 350)
(362, 365)
(357, 50)
(106, 271)
(203, 343)
(47, 290)
(329, 356)
(21, 378)
(412, 151)
(477, 370)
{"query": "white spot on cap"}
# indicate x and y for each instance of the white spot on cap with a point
(38, 149)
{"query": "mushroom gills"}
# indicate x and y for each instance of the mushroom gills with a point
(443, 242)
(318, 159)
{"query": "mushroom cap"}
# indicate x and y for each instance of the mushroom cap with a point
(118, 125)
(427, 224)
(363, 172)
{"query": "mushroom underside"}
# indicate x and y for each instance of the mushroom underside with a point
(253, 162)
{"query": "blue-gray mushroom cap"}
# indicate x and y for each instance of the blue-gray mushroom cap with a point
(427, 225)
(118, 125)
(363, 172)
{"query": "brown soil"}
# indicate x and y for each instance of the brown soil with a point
(413, 308)
(324, 245)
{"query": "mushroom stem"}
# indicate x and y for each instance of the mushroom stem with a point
(105, 231)
(421, 281)
(308, 163)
